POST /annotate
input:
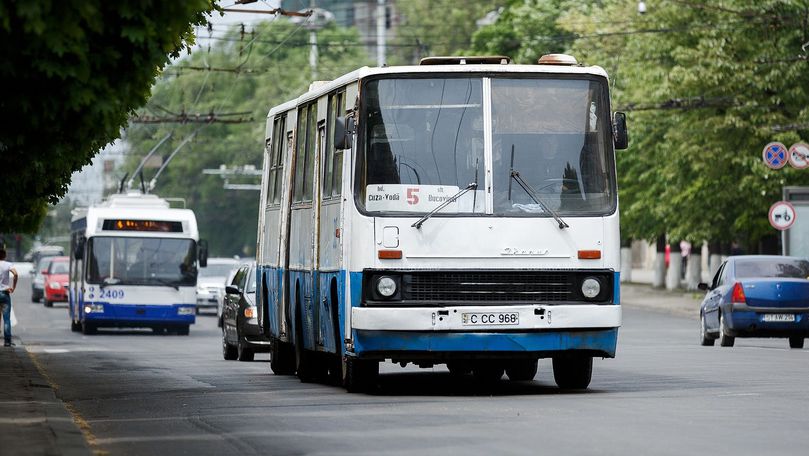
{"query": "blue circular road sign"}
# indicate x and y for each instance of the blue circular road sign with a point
(776, 155)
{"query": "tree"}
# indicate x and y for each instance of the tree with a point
(261, 73)
(73, 72)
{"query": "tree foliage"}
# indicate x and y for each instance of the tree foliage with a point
(706, 85)
(268, 74)
(72, 73)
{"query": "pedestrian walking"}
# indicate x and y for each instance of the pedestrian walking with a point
(6, 289)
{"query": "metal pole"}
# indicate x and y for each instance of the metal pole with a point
(380, 33)
(313, 42)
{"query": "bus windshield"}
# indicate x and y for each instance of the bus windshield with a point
(142, 261)
(424, 142)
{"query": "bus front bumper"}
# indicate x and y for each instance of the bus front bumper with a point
(485, 331)
(134, 314)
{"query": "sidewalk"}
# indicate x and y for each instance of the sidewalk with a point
(639, 293)
(33, 421)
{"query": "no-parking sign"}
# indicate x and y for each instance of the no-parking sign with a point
(775, 155)
(782, 215)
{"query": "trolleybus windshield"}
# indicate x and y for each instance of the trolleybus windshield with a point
(423, 141)
(142, 261)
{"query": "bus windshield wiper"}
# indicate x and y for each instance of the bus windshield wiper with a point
(451, 199)
(533, 194)
(170, 283)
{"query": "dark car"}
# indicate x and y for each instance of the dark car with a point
(241, 336)
(757, 296)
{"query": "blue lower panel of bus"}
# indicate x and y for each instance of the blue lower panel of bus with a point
(600, 342)
(134, 315)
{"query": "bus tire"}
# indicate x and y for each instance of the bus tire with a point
(359, 375)
(459, 368)
(488, 371)
(282, 358)
(88, 328)
(75, 326)
(523, 370)
(573, 372)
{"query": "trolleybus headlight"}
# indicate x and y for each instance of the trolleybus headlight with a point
(186, 310)
(590, 287)
(386, 286)
(94, 308)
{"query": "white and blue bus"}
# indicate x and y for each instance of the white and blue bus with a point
(133, 263)
(463, 211)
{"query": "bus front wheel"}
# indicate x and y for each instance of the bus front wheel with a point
(88, 328)
(359, 375)
(573, 372)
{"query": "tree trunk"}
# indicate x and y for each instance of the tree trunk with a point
(714, 258)
(693, 270)
(659, 277)
(675, 266)
(626, 261)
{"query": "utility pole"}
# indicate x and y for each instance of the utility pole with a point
(313, 42)
(380, 33)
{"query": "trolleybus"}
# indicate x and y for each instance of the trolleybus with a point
(462, 211)
(133, 263)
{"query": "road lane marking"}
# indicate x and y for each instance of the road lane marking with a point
(79, 420)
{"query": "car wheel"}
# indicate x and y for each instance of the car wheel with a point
(707, 340)
(725, 340)
(47, 303)
(523, 370)
(244, 353)
(796, 342)
(228, 351)
(574, 372)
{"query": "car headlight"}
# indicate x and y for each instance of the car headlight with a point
(590, 287)
(54, 285)
(386, 286)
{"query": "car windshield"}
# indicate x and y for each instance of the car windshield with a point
(776, 268)
(58, 267)
(142, 261)
(216, 270)
(44, 264)
(424, 141)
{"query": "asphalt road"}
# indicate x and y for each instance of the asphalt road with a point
(138, 393)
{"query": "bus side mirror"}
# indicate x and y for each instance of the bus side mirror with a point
(619, 131)
(79, 252)
(343, 130)
(202, 253)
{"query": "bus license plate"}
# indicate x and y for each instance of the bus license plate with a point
(779, 317)
(490, 318)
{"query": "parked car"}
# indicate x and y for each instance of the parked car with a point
(757, 296)
(38, 283)
(56, 280)
(211, 282)
(221, 305)
(241, 336)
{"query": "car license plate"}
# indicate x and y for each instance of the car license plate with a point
(779, 317)
(490, 318)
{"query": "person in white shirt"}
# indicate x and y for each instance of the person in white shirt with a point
(6, 289)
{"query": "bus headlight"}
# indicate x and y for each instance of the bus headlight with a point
(386, 286)
(94, 308)
(187, 310)
(590, 287)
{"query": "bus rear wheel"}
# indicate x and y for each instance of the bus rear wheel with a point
(573, 372)
(282, 358)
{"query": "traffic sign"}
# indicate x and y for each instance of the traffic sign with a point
(782, 215)
(799, 155)
(775, 155)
